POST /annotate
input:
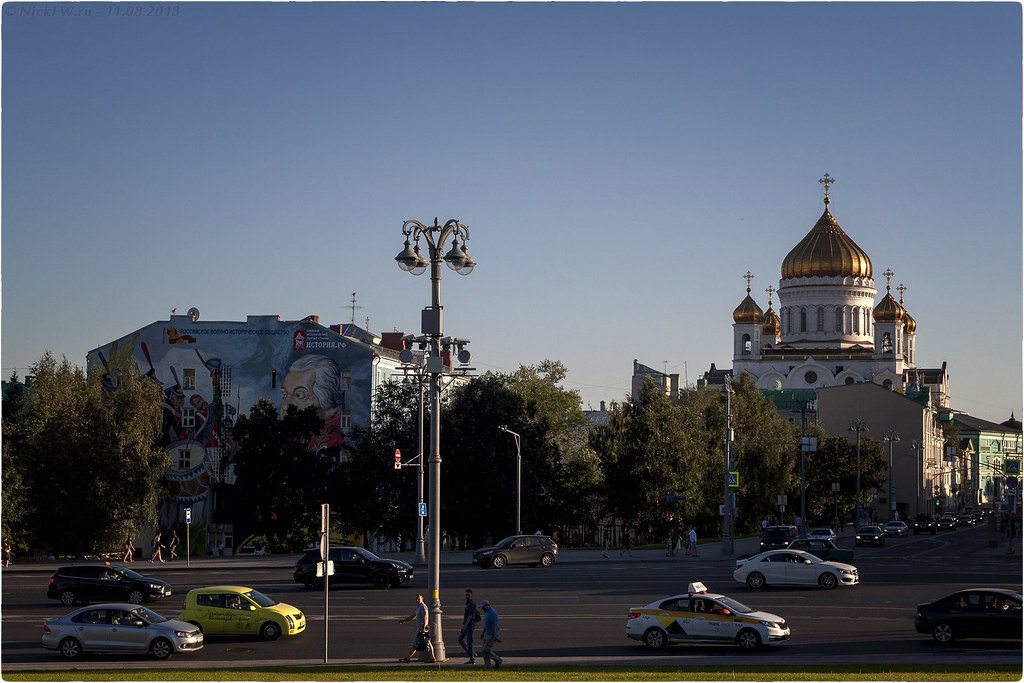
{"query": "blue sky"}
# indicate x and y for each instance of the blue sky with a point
(620, 166)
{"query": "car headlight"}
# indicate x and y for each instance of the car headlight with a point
(182, 634)
(769, 624)
(291, 622)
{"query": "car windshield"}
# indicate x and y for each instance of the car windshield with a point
(149, 615)
(131, 574)
(366, 553)
(895, 524)
(734, 606)
(821, 532)
(869, 530)
(260, 599)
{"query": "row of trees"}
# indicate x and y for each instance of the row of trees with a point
(81, 472)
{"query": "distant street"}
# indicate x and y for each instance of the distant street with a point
(574, 612)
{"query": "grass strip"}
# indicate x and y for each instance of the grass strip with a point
(865, 672)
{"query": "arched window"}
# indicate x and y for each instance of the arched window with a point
(746, 344)
(849, 380)
(803, 319)
(839, 318)
(886, 343)
(821, 319)
(856, 321)
(887, 384)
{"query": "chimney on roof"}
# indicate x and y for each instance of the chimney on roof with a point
(603, 409)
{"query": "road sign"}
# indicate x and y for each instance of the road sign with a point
(188, 515)
(423, 509)
(835, 487)
(809, 444)
(783, 499)
(1011, 482)
(734, 479)
(1011, 467)
(674, 498)
(398, 459)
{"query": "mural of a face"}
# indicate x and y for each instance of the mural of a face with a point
(297, 390)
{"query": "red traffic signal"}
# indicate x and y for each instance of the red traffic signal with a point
(398, 459)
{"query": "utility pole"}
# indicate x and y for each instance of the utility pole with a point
(858, 426)
(727, 520)
(891, 437)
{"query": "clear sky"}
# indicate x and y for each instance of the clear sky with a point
(620, 166)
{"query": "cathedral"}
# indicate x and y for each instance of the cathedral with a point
(828, 330)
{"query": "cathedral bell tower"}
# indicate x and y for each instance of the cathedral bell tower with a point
(747, 323)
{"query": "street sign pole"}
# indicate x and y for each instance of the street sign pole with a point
(188, 535)
(325, 555)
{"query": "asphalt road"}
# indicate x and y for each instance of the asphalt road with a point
(572, 613)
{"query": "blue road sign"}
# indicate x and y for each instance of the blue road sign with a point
(672, 498)
(423, 509)
(734, 479)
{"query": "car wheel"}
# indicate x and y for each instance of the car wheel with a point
(655, 638)
(547, 559)
(70, 648)
(135, 597)
(748, 640)
(161, 648)
(827, 581)
(381, 581)
(68, 597)
(756, 580)
(942, 632)
(311, 582)
(270, 631)
(498, 561)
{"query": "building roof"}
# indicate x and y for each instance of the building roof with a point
(826, 251)
(977, 424)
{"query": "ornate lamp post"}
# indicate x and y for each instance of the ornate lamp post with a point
(519, 479)
(411, 260)
(858, 426)
(890, 437)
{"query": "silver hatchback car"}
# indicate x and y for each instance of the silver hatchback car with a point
(119, 627)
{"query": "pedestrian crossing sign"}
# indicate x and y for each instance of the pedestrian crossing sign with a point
(734, 479)
(1011, 467)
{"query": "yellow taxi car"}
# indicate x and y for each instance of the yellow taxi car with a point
(237, 610)
(702, 617)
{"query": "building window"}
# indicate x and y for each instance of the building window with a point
(346, 380)
(886, 343)
(810, 377)
(856, 321)
(887, 384)
(188, 418)
(803, 319)
(746, 344)
(839, 318)
(346, 419)
(184, 459)
(189, 379)
(849, 380)
(821, 319)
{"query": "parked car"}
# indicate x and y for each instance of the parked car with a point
(896, 527)
(237, 610)
(778, 536)
(250, 550)
(529, 550)
(965, 519)
(870, 534)
(924, 523)
(822, 549)
(701, 617)
(104, 583)
(823, 533)
(119, 627)
(946, 523)
(972, 613)
(352, 565)
(793, 567)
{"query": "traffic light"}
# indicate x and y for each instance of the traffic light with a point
(938, 502)
(398, 459)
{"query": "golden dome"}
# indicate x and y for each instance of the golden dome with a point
(826, 251)
(748, 312)
(888, 310)
(909, 322)
(772, 324)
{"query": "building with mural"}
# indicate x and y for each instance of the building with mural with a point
(211, 372)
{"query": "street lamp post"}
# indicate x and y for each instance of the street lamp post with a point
(918, 448)
(411, 260)
(417, 373)
(858, 426)
(519, 480)
(891, 437)
(727, 521)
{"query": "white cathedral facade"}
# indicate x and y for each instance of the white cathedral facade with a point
(828, 330)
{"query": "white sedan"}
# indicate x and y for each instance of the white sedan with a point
(702, 617)
(794, 567)
(823, 533)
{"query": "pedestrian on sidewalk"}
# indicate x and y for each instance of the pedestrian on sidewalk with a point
(7, 555)
(129, 548)
(693, 540)
(469, 618)
(157, 548)
(173, 545)
(627, 548)
(605, 543)
(491, 635)
(671, 552)
(420, 639)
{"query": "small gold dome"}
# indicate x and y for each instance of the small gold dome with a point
(888, 310)
(909, 322)
(772, 324)
(748, 312)
(826, 251)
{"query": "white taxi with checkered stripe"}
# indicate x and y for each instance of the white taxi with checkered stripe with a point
(701, 617)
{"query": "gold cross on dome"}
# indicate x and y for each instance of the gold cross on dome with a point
(748, 277)
(826, 181)
(902, 289)
(771, 290)
(888, 276)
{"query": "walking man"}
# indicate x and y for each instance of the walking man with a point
(491, 635)
(173, 545)
(693, 540)
(157, 548)
(628, 545)
(422, 632)
(469, 618)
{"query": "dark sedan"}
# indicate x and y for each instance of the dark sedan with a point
(352, 565)
(966, 519)
(104, 583)
(823, 549)
(972, 613)
(528, 550)
(870, 535)
(924, 523)
(946, 523)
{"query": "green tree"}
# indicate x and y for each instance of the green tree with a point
(12, 488)
(836, 461)
(94, 463)
(281, 482)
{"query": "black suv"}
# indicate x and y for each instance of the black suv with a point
(924, 523)
(775, 537)
(104, 583)
(528, 550)
(352, 565)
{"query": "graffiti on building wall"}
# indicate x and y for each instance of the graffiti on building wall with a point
(210, 373)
